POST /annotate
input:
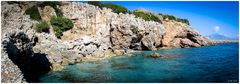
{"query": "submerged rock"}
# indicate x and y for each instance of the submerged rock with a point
(155, 55)
(57, 67)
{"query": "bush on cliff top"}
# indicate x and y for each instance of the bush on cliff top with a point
(96, 3)
(184, 21)
(42, 27)
(60, 25)
(146, 16)
(116, 8)
(171, 17)
(33, 12)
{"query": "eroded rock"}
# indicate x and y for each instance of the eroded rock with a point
(182, 35)
(155, 55)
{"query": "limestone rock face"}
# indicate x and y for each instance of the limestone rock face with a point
(19, 49)
(110, 30)
(46, 13)
(10, 72)
(115, 31)
(127, 31)
(182, 35)
(12, 21)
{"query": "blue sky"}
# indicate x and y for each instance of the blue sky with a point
(206, 17)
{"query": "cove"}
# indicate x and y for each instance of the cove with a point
(217, 63)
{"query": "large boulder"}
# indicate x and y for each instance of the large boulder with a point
(120, 37)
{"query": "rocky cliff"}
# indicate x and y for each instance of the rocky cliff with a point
(97, 33)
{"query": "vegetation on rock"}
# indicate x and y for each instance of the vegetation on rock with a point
(42, 27)
(13, 2)
(60, 25)
(52, 4)
(33, 12)
(96, 3)
(115, 8)
(146, 16)
(171, 17)
(183, 21)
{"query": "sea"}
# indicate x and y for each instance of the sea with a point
(207, 64)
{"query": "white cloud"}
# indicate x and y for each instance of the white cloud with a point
(216, 28)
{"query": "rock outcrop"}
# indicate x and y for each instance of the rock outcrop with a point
(12, 21)
(97, 33)
(182, 35)
(19, 62)
(115, 31)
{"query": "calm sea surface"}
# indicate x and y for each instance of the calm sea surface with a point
(217, 63)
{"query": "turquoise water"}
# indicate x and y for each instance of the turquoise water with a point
(203, 64)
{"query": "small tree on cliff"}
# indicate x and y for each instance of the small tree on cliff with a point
(60, 25)
(42, 27)
(33, 12)
(116, 8)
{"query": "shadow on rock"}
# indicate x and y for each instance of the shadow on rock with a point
(32, 65)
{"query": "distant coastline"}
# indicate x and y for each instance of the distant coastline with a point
(225, 41)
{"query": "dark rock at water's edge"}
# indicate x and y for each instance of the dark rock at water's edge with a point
(19, 50)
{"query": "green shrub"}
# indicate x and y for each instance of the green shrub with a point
(171, 17)
(52, 4)
(42, 27)
(60, 25)
(58, 12)
(49, 3)
(96, 3)
(116, 8)
(146, 16)
(33, 12)
(183, 21)
(13, 2)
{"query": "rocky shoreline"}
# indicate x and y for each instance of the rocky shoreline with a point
(97, 33)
